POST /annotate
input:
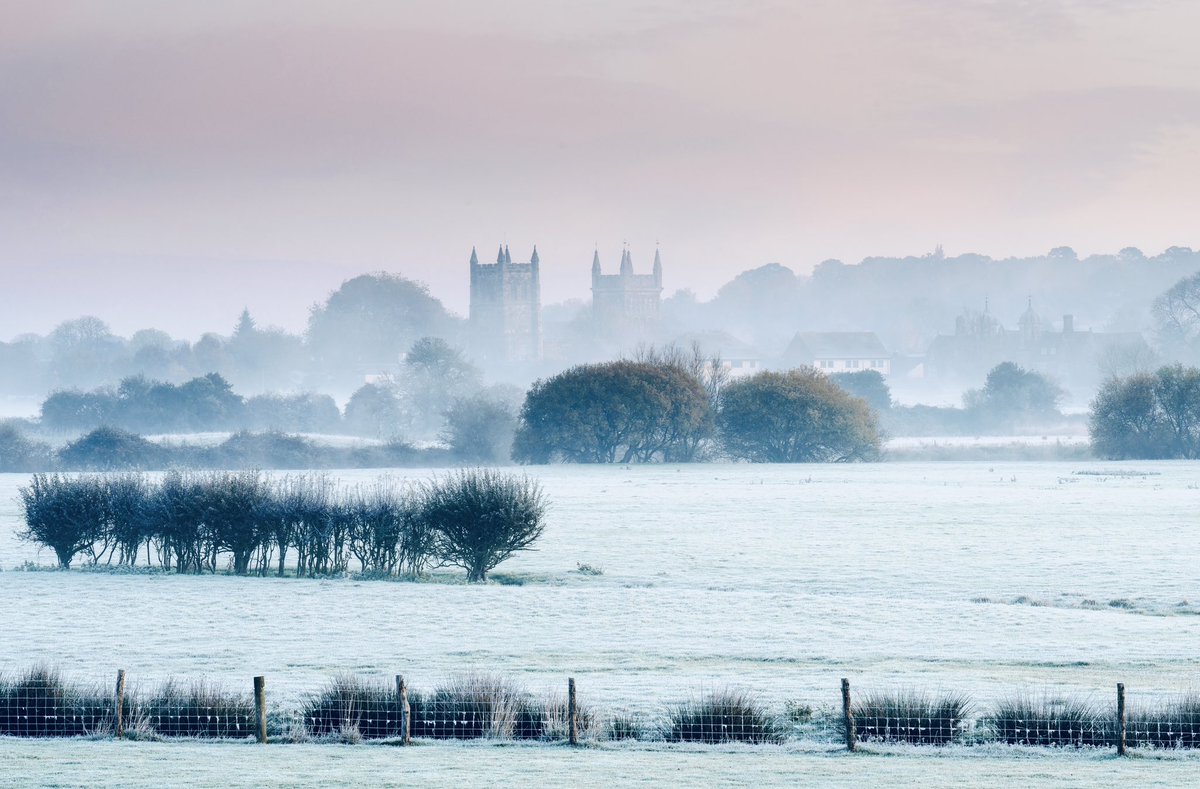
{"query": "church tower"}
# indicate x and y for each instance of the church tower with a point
(506, 305)
(625, 305)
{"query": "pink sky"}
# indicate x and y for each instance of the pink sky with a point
(164, 164)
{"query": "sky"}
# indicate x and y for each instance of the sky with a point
(166, 164)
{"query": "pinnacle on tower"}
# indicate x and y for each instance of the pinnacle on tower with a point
(657, 267)
(507, 257)
(534, 260)
(626, 262)
(596, 262)
(500, 255)
(474, 257)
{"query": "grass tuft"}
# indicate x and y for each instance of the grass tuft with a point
(722, 716)
(39, 703)
(911, 716)
(1029, 720)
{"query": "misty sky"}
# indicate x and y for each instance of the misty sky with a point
(165, 163)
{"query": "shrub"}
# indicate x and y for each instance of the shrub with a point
(63, 513)
(479, 518)
(1042, 721)
(110, 449)
(18, 453)
(911, 716)
(38, 703)
(127, 521)
(723, 716)
(1172, 724)
(198, 710)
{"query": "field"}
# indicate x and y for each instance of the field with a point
(989, 578)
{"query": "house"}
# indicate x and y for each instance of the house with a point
(738, 359)
(838, 352)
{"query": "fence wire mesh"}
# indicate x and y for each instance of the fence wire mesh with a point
(42, 703)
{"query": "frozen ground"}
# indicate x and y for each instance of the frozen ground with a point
(137, 765)
(982, 577)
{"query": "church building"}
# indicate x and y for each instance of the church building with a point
(506, 304)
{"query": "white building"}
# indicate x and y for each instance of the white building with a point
(839, 352)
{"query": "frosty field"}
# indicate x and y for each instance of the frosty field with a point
(984, 577)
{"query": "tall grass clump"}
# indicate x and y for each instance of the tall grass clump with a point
(1171, 724)
(480, 517)
(38, 703)
(910, 716)
(722, 716)
(347, 704)
(199, 709)
(1028, 720)
(477, 706)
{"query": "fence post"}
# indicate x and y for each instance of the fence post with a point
(260, 706)
(119, 705)
(572, 712)
(848, 716)
(1120, 719)
(405, 710)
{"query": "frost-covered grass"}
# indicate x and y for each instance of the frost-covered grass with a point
(781, 579)
(152, 765)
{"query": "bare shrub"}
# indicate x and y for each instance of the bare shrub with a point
(63, 513)
(480, 517)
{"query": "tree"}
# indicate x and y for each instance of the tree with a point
(18, 453)
(480, 429)
(369, 321)
(374, 411)
(1012, 395)
(1148, 415)
(479, 518)
(63, 513)
(613, 412)
(797, 416)
(434, 374)
(1177, 318)
(867, 384)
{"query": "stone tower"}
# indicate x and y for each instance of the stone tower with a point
(506, 304)
(626, 305)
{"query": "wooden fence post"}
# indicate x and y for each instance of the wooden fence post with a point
(1120, 719)
(119, 705)
(572, 713)
(848, 717)
(260, 706)
(405, 711)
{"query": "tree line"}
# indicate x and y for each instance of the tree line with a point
(252, 524)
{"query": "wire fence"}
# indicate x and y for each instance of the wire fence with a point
(42, 703)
